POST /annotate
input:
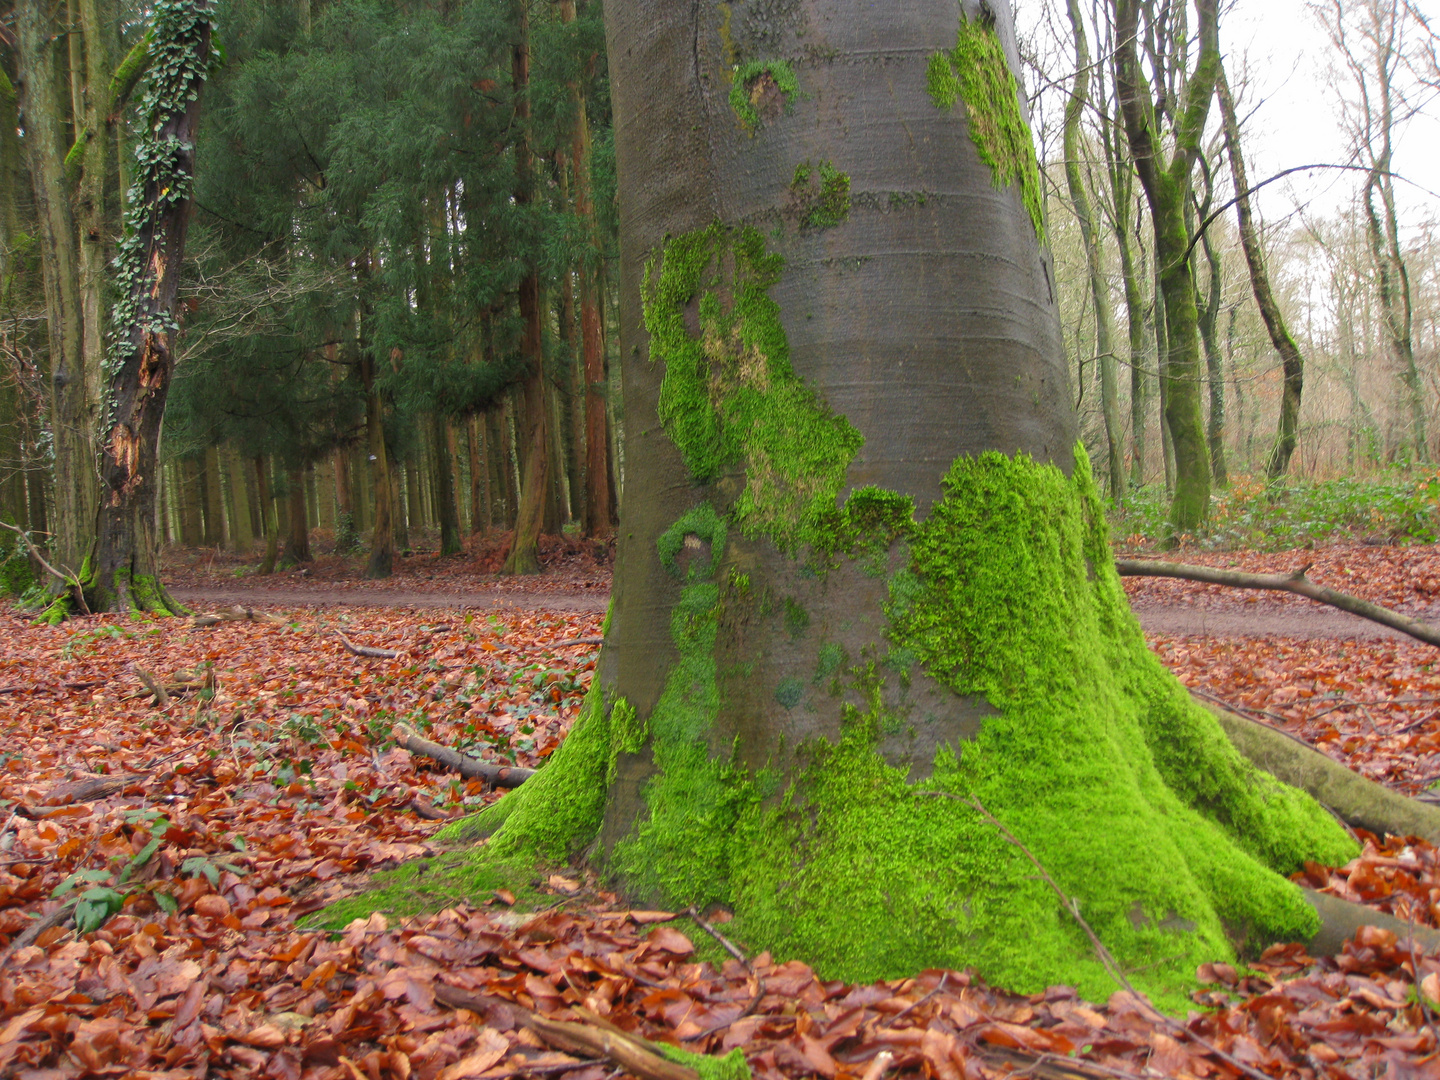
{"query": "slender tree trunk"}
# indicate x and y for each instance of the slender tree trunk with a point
(41, 26)
(213, 498)
(445, 458)
(1167, 187)
(1209, 306)
(1099, 288)
(269, 517)
(382, 535)
(1287, 430)
(347, 524)
(535, 487)
(480, 519)
(297, 539)
(242, 536)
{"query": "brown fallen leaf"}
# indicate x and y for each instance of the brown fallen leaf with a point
(491, 1046)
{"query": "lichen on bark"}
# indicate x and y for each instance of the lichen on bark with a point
(976, 71)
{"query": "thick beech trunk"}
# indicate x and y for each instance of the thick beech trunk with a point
(863, 585)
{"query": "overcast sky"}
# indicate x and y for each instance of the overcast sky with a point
(1296, 113)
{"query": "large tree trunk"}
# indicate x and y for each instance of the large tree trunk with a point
(42, 44)
(125, 574)
(864, 587)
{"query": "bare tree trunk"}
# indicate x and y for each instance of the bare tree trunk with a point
(1099, 288)
(297, 539)
(443, 438)
(382, 536)
(242, 538)
(535, 487)
(42, 34)
(1287, 430)
(1167, 185)
(269, 517)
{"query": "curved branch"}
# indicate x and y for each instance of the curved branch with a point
(1294, 583)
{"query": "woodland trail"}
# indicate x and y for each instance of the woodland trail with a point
(1245, 616)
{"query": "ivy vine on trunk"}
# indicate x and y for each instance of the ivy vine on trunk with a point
(123, 572)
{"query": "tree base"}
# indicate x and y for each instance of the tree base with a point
(1085, 748)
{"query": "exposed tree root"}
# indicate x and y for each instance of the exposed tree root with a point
(1292, 583)
(1355, 799)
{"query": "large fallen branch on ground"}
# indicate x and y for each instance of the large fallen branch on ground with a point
(1295, 583)
(506, 776)
(234, 614)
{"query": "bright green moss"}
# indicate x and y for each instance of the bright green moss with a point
(729, 396)
(556, 812)
(750, 83)
(821, 195)
(730, 1067)
(976, 70)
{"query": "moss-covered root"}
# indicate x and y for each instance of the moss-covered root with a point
(1355, 799)
(124, 591)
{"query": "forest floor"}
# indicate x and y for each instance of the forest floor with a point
(198, 833)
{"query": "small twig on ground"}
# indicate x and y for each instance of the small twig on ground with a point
(1104, 955)
(28, 936)
(1415, 972)
(878, 1064)
(1239, 708)
(730, 947)
(155, 686)
(944, 978)
(366, 650)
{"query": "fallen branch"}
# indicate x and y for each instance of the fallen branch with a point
(70, 579)
(235, 614)
(366, 650)
(1295, 583)
(622, 1049)
(734, 950)
(155, 686)
(506, 776)
(28, 936)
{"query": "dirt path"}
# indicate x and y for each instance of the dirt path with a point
(1247, 616)
(479, 597)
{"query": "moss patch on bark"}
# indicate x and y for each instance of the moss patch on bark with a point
(730, 397)
(976, 71)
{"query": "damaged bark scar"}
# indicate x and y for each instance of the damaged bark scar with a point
(124, 451)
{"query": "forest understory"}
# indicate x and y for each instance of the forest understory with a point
(199, 825)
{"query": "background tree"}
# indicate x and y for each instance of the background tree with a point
(1165, 116)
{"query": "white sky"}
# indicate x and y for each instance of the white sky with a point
(1296, 114)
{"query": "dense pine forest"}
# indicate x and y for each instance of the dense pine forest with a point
(392, 288)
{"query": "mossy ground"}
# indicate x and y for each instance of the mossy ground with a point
(1091, 754)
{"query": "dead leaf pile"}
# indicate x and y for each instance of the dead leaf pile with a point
(207, 827)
